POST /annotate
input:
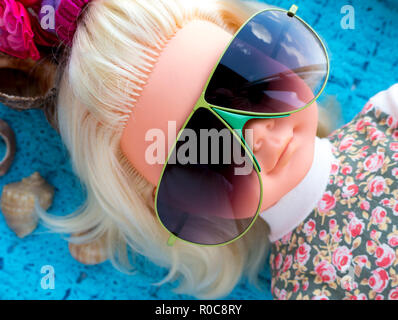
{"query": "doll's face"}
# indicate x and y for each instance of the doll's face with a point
(283, 147)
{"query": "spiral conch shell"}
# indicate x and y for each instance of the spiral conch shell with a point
(90, 253)
(18, 201)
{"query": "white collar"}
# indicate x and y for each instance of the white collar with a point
(298, 203)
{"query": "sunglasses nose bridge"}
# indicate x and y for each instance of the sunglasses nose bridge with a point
(237, 122)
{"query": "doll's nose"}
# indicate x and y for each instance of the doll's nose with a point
(256, 132)
(268, 139)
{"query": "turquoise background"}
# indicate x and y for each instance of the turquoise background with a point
(364, 61)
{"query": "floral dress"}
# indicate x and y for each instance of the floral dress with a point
(347, 248)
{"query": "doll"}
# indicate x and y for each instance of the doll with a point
(111, 86)
(114, 51)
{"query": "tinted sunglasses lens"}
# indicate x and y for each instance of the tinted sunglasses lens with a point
(275, 64)
(210, 191)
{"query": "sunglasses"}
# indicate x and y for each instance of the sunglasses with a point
(275, 65)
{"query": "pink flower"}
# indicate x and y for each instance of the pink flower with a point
(379, 297)
(367, 108)
(395, 209)
(287, 263)
(364, 205)
(360, 296)
(306, 284)
(350, 191)
(361, 124)
(351, 215)
(327, 203)
(302, 254)
(379, 215)
(395, 135)
(342, 258)
(332, 224)
(377, 185)
(385, 202)
(286, 237)
(335, 168)
(355, 227)
(16, 35)
(393, 295)
(361, 260)
(321, 297)
(337, 236)
(395, 156)
(392, 122)
(374, 162)
(309, 227)
(326, 271)
(395, 172)
(296, 287)
(385, 256)
(322, 235)
(373, 234)
(379, 280)
(346, 143)
(278, 261)
(360, 176)
(346, 170)
(282, 295)
(376, 134)
(394, 146)
(393, 240)
(348, 284)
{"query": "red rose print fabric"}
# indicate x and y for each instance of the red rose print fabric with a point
(347, 248)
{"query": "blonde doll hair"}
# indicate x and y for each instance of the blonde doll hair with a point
(114, 50)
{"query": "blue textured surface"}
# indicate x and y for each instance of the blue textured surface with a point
(363, 63)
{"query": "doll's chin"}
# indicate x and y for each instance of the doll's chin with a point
(285, 163)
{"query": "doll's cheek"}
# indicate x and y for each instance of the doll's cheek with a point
(306, 127)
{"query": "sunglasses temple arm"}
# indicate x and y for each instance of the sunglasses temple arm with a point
(172, 239)
(173, 236)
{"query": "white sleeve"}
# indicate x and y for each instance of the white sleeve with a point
(387, 101)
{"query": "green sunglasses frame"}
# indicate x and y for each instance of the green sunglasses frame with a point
(235, 120)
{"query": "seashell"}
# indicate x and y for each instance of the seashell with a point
(9, 138)
(28, 84)
(90, 253)
(18, 203)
